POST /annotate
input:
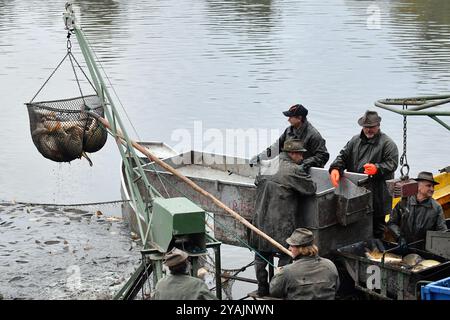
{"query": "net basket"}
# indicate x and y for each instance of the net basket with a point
(61, 129)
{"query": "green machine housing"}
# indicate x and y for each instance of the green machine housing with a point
(178, 222)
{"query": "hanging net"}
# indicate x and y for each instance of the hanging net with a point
(62, 129)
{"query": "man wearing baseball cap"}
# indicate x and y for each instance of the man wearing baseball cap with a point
(410, 222)
(309, 277)
(316, 155)
(374, 153)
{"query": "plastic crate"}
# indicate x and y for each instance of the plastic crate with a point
(439, 290)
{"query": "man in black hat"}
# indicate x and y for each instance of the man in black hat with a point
(410, 222)
(179, 285)
(277, 204)
(371, 152)
(309, 277)
(300, 128)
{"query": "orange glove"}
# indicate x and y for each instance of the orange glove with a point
(370, 169)
(334, 177)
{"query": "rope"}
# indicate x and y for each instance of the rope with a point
(51, 75)
(232, 233)
(74, 71)
(112, 87)
(70, 205)
(121, 105)
(240, 240)
(84, 73)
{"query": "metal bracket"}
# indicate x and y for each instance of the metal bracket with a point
(69, 17)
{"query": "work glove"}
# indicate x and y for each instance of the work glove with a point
(334, 177)
(370, 169)
(254, 160)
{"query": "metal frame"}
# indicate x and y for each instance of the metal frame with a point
(133, 163)
(420, 103)
(152, 263)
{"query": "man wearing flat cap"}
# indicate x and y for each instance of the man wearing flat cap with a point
(410, 222)
(309, 277)
(371, 152)
(179, 285)
(277, 207)
(316, 154)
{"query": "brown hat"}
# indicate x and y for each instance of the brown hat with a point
(301, 237)
(426, 176)
(369, 119)
(293, 145)
(175, 257)
(296, 110)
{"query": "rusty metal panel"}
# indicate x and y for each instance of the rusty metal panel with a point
(231, 181)
(438, 242)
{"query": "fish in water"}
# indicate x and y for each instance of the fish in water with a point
(377, 256)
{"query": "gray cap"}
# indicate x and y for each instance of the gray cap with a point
(293, 145)
(301, 237)
(175, 257)
(369, 119)
(427, 176)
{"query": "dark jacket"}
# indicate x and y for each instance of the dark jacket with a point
(316, 155)
(277, 202)
(414, 220)
(307, 278)
(381, 151)
(182, 287)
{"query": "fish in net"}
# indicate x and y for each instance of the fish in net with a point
(62, 130)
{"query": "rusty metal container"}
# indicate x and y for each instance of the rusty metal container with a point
(396, 281)
(336, 217)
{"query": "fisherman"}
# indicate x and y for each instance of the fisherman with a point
(278, 196)
(300, 128)
(410, 222)
(309, 277)
(179, 285)
(371, 152)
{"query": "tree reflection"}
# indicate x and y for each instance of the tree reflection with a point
(249, 16)
(425, 33)
(418, 29)
(100, 19)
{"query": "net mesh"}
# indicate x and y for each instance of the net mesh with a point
(61, 129)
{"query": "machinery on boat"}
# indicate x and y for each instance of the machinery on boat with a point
(340, 218)
(186, 201)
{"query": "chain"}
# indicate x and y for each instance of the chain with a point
(403, 158)
(69, 44)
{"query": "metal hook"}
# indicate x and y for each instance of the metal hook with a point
(69, 17)
(404, 176)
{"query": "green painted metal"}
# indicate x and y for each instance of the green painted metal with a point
(419, 104)
(175, 216)
(127, 152)
(159, 219)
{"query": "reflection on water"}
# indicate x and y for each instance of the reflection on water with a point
(250, 16)
(230, 64)
(419, 31)
(423, 35)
